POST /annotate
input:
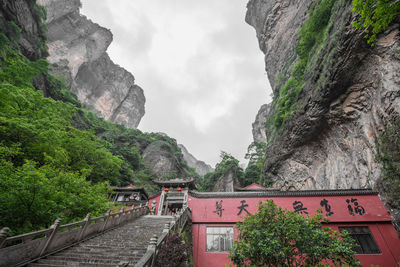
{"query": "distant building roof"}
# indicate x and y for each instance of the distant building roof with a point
(131, 188)
(254, 187)
(176, 182)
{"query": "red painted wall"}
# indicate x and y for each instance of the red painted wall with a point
(203, 209)
(376, 218)
(200, 256)
(388, 255)
(156, 198)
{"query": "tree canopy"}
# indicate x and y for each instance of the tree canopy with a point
(276, 237)
(227, 164)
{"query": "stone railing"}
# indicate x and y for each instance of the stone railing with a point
(22, 249)
(177, 225)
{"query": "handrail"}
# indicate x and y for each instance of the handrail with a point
(32, 246)
(177, 225)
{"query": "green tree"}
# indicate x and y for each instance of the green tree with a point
(375, 16)
(256, 152)
(388, 155)
(276, 237)
(32, 197)
(228, 164)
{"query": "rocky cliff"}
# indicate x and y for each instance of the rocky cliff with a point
(24, 15)
(77, 49)
(200, 166)
(259, 124)
(349, 94)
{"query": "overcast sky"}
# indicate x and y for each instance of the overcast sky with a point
(199, 65)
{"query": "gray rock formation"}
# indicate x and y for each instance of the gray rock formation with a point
(200, 166)
(159, 158)
(22, 13)
(258, 125)
(77, 49)
(226, 183)
(350, 96)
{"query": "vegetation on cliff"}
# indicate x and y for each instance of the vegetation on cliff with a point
(230, 165)
(389, 156)
(276, 237)
(375, 16)
(311, 36)
(57, 160)
(254, 171)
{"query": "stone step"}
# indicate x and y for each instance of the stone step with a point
(64, 260)
(127, 243)
(45, 265)
(100, 257)
(71, 264)
(96, 253)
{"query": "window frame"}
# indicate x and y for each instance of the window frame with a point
(363, 231)
(221, 235)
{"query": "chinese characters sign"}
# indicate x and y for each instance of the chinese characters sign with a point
(242, 208)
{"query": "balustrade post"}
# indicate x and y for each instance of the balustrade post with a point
(166, 228)
(131, 212)
(120, 215)
(82, 233)
(106, 220)
(54, 228)
(175, 223)
(3, 236)
(153, 247)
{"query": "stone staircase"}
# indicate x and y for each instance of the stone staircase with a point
(123, 246)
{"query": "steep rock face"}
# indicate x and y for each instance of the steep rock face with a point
(258, 125)
(23, 14)
(226, 183)
(77, 49)
(350, 96)
(200, 166)
(159, 158)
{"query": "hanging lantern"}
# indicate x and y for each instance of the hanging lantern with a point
(179, 190)
(166, 190)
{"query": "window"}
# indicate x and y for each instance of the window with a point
(363, 237)
(219, 239)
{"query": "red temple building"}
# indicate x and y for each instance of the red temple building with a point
(214, 215)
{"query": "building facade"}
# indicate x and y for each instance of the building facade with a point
(360, 212)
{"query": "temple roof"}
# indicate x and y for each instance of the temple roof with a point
(176, 182)
(131, 188)
(278, 193)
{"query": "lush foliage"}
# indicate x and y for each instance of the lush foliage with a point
(44, 162)
(56, 159)
(311, 35)
(375, 16)
(32, 197)
(277, 237)
(389, 156)
(227, 165)
(173, 252)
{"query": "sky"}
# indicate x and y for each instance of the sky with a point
(199, 65)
